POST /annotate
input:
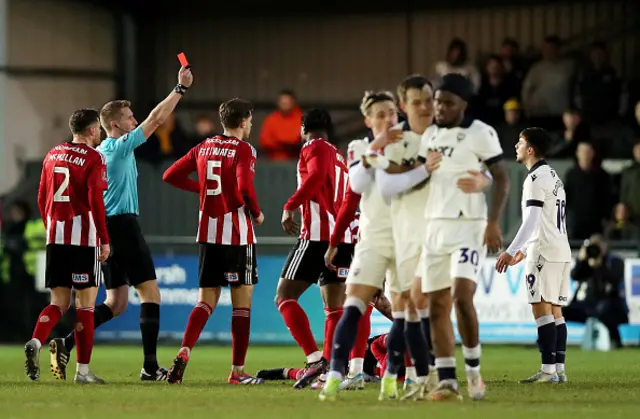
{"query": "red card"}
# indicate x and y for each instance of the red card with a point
(183, 60)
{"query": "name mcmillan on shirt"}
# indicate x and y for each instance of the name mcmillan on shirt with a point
(68, 158)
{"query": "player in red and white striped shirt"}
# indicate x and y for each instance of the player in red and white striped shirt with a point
(228, 209)
(70, 198)
(322, 181)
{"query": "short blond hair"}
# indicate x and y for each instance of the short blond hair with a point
(111, 111)
(370, 97)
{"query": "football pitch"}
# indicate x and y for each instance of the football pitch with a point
(602, 385)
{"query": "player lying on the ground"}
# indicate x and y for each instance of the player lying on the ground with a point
(373, 366)
(356, 379)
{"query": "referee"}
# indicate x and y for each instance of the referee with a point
(130, 263)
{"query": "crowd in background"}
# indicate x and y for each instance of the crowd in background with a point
(577, 96)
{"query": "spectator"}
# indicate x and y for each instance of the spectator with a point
(589, 193)
(621, 227)
(509, 131)
(457, 61)
(280, 135)
(496, 88)
(546, 89)
(630, 186)
(575, 131)
(603, 274)
(513, 62)
(597, 88)
(204, 128)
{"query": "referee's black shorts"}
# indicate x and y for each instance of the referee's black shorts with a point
(130, 262)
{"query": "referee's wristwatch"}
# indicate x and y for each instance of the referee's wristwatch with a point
(180, 89)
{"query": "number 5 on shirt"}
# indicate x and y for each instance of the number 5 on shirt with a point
(214, 177)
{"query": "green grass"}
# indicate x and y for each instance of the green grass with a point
(602, 385)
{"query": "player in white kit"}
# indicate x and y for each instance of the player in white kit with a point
(457, 229)
(416, 100)
(542, 239)
(374, 256)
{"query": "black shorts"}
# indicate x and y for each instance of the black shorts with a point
(72, 267)
(130, 262)
(306, 263)
(222, 265)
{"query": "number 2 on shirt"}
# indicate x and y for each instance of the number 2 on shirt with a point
(214, 177)
(58, 195)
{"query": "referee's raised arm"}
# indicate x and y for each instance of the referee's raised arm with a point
(163, 109)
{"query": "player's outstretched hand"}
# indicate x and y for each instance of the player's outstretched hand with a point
(258, 221)
(105, 251)
(505, 260)
(433, 161)
(478, 182)
(385, 138)
(331, 253)
(185, 77)
(493, 237)
(289, 224)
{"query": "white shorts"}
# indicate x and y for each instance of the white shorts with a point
(408, 257)
(547, 281)
(372, 264)
(452, 249)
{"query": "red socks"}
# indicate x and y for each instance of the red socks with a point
(296, 320)
(364, 330)
(240, 331)
(83, 331)
(197, 320)
(295, 373)
(332, 317)
(47, 320)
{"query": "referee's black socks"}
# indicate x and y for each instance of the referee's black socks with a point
(101, 314)
(149, 328)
